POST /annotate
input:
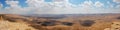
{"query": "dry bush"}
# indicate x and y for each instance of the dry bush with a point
(61, 27)
(6, 25)
(67, 23)
(38, 27)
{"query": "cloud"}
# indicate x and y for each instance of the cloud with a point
(56, 7)
(59, 4)
(117, 1)
(87, 4)
(90, 4)
(35, 3)
(1, 5)
(1, 8)
(98, 4)
(58, 0)
(34, 6)
(15, 8)
(62, 3)
(118, 6)
(110, 5)
(39, 6)
(12, 3)
(84, 8)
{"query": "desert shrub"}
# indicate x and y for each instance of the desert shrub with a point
(39, 22)
(11, 20)
(37, 27)
(27, 29)
(61, 28)
(67, 23)
(48, 23)
(36, 21)
(87, 23)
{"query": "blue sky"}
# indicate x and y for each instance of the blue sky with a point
(91, 5)
(22, 3)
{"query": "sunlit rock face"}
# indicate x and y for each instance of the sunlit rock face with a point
(114, 26)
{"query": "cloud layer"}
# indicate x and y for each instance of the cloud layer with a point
(1, 5)
(117, 1)
(58, 7)
(99, 4)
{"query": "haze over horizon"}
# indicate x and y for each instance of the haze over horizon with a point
(59, 6)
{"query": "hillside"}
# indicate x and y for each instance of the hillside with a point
(59, 22)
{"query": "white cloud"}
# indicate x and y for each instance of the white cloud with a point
(58, 0)
(110, 5)
(15, 8)
(118, 6)
(62, 3)
(40, 7)
(69, 9)
(98, 4)
(1, 5)
(56, 7)
(87, 4)
(67, 3)
(1, 8)
(117, 1)
(35, 6)
(12, 3)
(35, 3)
(59, 4)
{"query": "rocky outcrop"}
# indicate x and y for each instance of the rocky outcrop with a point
(114, 26)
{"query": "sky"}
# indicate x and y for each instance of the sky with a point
(59, 6)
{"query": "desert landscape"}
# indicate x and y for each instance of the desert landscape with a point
(60, 22)
(59, 14)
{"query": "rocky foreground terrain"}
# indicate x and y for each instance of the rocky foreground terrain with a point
(60, 22)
